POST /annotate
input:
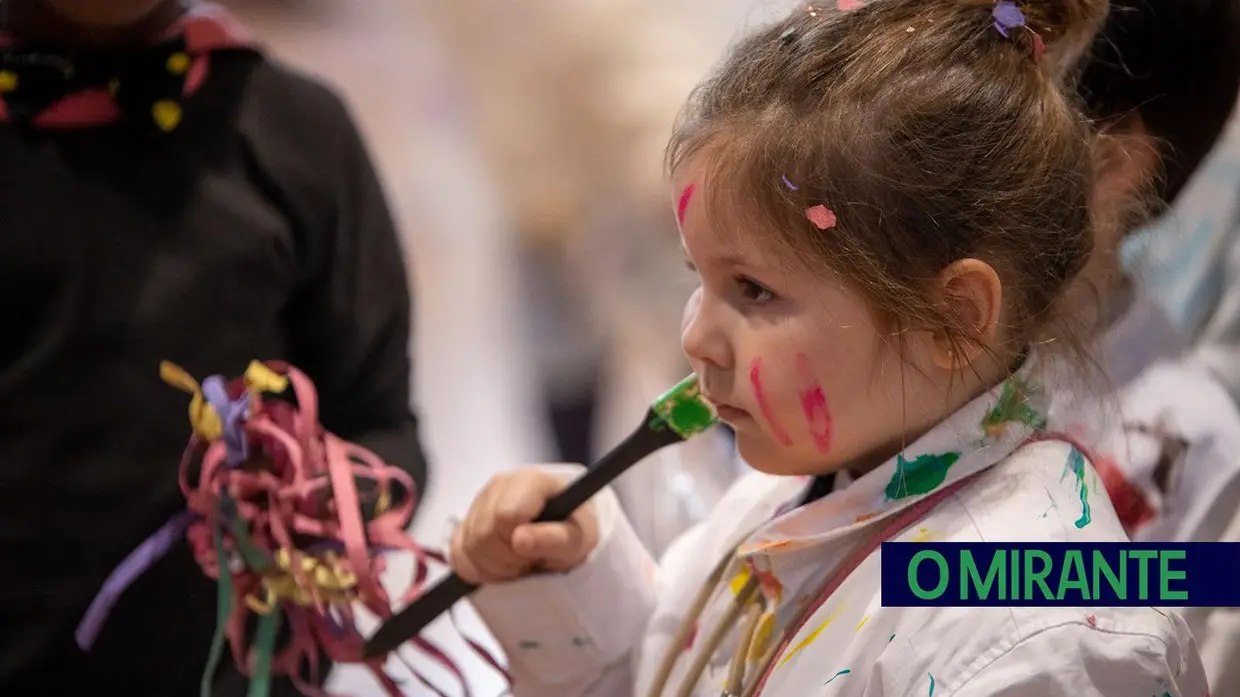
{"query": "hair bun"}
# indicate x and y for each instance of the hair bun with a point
(1067, 27)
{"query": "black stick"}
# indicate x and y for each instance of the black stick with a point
(653, 435)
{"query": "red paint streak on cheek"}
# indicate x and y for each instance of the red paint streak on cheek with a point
(814, 403)
(685, 197)
(755, 377)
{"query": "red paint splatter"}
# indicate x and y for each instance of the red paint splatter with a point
(755, 377)
(685, 197)
(691, 638)
(770, 585)
(814, 403)
(1092, 620)
(1131, 506)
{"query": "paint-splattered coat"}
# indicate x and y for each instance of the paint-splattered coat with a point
(603, 629)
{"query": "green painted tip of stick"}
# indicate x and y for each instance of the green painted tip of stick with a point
(684, 410)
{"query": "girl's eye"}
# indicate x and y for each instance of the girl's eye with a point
(754, 292)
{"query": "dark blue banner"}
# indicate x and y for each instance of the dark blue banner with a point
(1030, 574)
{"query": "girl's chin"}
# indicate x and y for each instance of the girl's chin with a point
(765, 455)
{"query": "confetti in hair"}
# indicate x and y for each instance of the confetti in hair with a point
(848, 5)
(822, 217)
(788, 183)
(1039, 46)
(1007, 16)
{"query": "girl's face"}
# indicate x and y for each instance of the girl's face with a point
(793, 360)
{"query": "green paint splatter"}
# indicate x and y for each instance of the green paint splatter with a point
(528, 644)
(683, 408)
(931, 684)
(842, 672)
(1012, 406)
(893, 638)
(920, 476)
(1076, 465)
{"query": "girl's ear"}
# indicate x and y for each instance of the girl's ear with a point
(972, 295)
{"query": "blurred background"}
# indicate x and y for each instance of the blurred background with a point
(522, 155)
(521, 147)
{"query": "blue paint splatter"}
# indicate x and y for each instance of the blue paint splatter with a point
(931, 684)
(842, 672)
(1076, 465)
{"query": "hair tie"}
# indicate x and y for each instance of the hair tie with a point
(1007, 16)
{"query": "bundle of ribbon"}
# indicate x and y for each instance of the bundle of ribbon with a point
(291, 521)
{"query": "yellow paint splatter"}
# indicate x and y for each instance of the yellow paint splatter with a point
(739, 580)
(867, 516)
(762, 637)
(8, 81)
(924, 535)
(862, 622)
(811, 637)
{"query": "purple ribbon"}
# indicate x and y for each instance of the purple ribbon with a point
(1007, 16)
(138, 561)
(231, 412)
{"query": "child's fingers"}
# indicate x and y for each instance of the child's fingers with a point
(552, 545)
(484, 561)
(524, 497)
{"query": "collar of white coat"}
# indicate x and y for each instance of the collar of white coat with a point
(980, 434)
(1142, 335)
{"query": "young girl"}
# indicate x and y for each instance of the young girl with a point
(168, 193)
(882, 202)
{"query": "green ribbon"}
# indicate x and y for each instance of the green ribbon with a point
(223, 604)
(264, 649)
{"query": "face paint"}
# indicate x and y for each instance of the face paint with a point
(685, 197)
(755, 377)
(814, 403)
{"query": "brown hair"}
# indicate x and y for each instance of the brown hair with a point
(929, 134)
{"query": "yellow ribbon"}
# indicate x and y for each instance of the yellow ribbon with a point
(202, 416)
(259, 378)
(329, 580)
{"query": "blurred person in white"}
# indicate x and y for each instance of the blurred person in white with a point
(572, 104)
(1160, 84)
(1190, 258)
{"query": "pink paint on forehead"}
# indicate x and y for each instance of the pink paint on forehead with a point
(768, 413)
(685, 197)
(814, 404)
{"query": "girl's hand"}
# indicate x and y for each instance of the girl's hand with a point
(498, 542)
